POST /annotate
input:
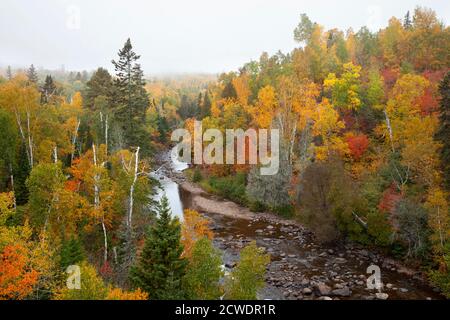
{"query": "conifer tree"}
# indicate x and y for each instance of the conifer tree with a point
(48, 89)
(32, 75)
(71, 252)
(100, 84)
(9, 74)
(130, 97)
(160, 268)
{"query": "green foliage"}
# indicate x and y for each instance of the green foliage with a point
(160, 268)
(441, 277)
(130, 97)
(197, 177)
(204, 272)
(44, 182)
(248, 276)
(379, 228)
(71, 253)
(92, 286)
(230, 187)
(412, 227)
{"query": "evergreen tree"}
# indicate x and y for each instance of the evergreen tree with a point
(130, 98)
(47, 90)
(71, 253)
(9, 74)
(100, 84)
(126, 253)
(443, 133)
(407, 23)
(160, 268)
(32, 75)
(205, 109)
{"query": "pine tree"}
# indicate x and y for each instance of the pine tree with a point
(407, 23)
(32, 75)
(443, 133)
(9, 74)
(160, 268)
(48, 89)
(205, 109)
(71, 253)
(100, 84)
(130, 98)
(126, 253)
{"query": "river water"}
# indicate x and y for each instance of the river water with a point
(298, 263)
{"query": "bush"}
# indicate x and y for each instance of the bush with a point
(230, 187)
(197, 176)
(287, 211)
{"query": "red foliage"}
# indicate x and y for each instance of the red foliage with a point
(428, 102)
(357, 145)
(390, 77)
(389, 199)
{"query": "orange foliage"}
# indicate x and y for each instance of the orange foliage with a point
(119, 294)
(16, 277)
(358, 145)
(194, 228)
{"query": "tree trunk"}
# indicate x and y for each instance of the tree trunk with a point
(131, 200)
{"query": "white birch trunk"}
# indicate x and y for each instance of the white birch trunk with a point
(133, 184)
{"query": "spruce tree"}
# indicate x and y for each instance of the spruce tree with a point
(205, 109)
(47, 90)
(100, 84)
(32, 75)
(443, 133)
(130, 98)
(71, 253)
(9, 74)
(160, 268)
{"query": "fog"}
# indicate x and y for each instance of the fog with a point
(174, 36)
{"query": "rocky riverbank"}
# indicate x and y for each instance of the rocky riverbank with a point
(300, 268)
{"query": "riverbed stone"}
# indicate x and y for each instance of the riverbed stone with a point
(322, 289)
(343, 292)
(381, 295)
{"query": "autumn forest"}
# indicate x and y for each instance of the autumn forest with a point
(86, 209)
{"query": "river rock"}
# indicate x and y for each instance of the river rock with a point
(322, 289)
(344, 292)
(340, 260)
(307, 290)
(381, 295)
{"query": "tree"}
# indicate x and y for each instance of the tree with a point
(47, 90)
(71, 252)
(100, 85)
(9, 74)
(92, 286)
(304, 30)
(412, 220)
(194, 228)
(443, 132)
(32, 75)
(17, 277)
(44, 183)
(8, 145)
(160, 268)
(248, 276)
(130, 97)
(204, 272)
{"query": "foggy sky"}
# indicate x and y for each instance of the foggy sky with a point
(174, 36)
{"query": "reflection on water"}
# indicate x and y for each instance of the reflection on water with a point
(170, 188)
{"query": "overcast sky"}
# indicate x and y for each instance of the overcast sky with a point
(175, 36)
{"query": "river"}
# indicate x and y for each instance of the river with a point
(300, 268)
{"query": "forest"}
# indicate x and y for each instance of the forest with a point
(364, 122)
